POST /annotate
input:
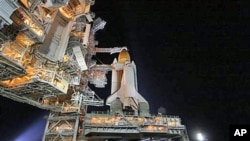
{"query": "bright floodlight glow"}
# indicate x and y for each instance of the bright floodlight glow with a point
(200, 137)
(34, 132)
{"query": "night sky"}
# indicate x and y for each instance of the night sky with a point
(192, 58)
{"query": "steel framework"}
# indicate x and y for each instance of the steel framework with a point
(46, 50)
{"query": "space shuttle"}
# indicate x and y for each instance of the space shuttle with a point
(124, 89)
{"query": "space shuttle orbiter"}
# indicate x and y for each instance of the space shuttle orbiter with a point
(124, 90)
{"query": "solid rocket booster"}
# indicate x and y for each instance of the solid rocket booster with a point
(124, 84)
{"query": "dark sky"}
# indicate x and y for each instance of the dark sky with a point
(192, 58)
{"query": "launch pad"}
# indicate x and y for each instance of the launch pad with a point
(100, 125)
(46, 50)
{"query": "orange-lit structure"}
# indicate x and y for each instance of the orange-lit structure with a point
(46, 49)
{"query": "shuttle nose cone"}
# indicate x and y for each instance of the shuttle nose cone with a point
(123, 56)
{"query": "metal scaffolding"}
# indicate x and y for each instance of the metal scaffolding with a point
(61, 127)
(46, 50)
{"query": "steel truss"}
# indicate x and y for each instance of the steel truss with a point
(62, 127)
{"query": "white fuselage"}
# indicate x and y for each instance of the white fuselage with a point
(124, 85)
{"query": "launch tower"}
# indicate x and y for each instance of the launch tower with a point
(46, 49)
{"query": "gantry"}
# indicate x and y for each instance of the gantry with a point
(46, 50)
